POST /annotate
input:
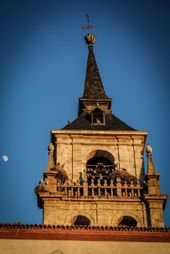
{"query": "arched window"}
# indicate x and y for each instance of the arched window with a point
(100, 165)
(128, 221)
(81, 220)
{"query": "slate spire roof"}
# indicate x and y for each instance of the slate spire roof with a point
(93, 87)
(95, 103)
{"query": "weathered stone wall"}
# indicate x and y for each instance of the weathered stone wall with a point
(98, 212)
(74, 147)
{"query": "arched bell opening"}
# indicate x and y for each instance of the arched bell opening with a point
(97, 117)
(100, 165)
(81, 220)
(128, 221)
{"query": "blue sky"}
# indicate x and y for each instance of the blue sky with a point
(42, 70)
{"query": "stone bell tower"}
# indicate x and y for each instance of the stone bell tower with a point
(95, 173)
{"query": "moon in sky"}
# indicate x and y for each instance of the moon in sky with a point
(5, 158)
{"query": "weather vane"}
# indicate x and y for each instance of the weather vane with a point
(89, 38)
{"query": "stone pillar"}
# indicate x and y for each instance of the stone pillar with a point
(155, 200)
(85, 185)
(156, 212)
(50, 181)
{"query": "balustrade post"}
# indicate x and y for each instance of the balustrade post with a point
(105, 189)
(85, 185)
(126, 189)
(92, 187)
(132, 188)
(99, 185)
(72, 191)
(138, 188)
(66, 189)
(119, 187)
(78, 189)
(111, 188)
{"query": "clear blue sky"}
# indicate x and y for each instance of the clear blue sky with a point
(42, 69)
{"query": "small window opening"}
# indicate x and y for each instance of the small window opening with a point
(128, 221)
(99, 168)
(98, 117)
(82, 220)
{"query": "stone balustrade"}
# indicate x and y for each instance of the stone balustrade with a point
(100, 189)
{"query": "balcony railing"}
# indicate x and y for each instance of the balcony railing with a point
(100, 189)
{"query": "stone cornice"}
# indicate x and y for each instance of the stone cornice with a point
(100, 132)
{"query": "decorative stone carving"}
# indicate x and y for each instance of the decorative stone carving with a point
(50, 156)
(149, 149)
(150, 167)
(61, 174)
(39, 187)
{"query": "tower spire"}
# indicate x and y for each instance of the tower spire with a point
(94, 92)
(94, 111)
(93, 87)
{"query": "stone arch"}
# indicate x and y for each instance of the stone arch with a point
(117, 219)
(127, 221)
(100, 164)
(72, 217)
(100, 153)
(81, 220)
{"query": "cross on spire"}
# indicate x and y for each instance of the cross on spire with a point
(88, 26)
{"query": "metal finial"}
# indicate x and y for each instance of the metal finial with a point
(89, 38)
(88, 27)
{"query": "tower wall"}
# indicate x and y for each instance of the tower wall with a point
(103, 213)
(73, 149)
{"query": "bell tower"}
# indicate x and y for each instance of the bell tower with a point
(95, 173)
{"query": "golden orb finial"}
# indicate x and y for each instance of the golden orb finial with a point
(90, 39)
